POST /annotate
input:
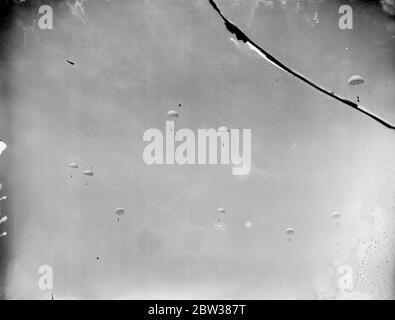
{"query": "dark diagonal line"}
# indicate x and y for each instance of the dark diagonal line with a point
(240, 35)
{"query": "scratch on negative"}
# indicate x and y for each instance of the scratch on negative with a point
(240, 35)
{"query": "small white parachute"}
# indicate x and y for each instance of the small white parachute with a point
(3, 198)
(290, 231)
(336, 215)
(221, 210)
(120, 211)
(355, 80)
(73, 165)
(3, 146)
(223, 129)
(3, 234)
(172, 114)
(88, 172)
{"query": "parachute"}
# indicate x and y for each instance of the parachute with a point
(3, 198)
(88, 172)
(120, 211)
(223, 129)
(355, 80)
(172, 113)
(73, 165)
(3, 146)
(219, 225)
(336, 215)
(3, 234)
(289, 231)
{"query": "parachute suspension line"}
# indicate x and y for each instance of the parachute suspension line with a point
(232, 28)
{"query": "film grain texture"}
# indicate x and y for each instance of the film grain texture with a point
(172, 149)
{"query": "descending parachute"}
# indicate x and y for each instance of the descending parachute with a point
(73, 165)
(336, 215)
(3, 234)
(172, 113)
(2, 146)
(120, 211)
(289, 232)
(88, 172)
(355, 80)
(3, 198)
(219, 225)
(223, 129)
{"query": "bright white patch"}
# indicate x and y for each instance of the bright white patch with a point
(3, 146)
(240, 46)
(263, 55)
(248, 224)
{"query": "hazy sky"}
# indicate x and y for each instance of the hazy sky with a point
(135, 60)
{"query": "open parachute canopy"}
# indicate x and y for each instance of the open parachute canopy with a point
(172, 113)
(221, 210)
(355, 80)
(289, 231)
(336, 215)
(73, 165)
(120, 211)
(88, 172)
(2, 146)
(223, 129)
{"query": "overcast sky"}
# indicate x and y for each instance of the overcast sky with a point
(134, 61)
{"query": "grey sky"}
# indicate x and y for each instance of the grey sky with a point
(135, 60)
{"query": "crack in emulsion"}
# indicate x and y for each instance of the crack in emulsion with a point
(240, 35)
